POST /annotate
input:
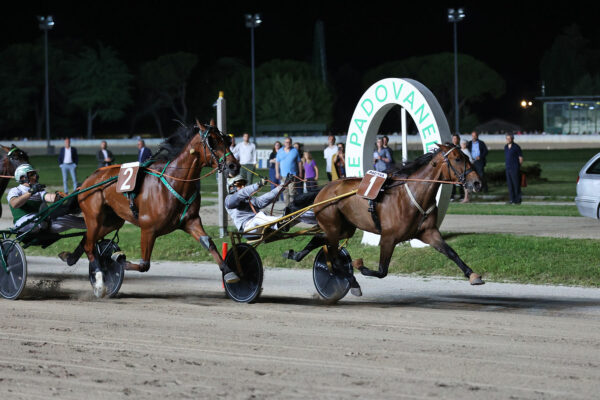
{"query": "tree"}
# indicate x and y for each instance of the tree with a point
(289, 92)
(99, 85)
(165, 82)
(476, 80)
(22, 83)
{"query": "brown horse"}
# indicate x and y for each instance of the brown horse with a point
(158, 208)
(404, 210)
(8, 163)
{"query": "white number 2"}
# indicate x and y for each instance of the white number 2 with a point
(371, 182)
(125, 187)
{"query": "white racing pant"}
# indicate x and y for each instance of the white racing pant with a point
(260, 219)
(58, 224)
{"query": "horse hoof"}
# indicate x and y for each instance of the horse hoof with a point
(356, 291)
(475, 279)
(231, 277)
(99, 287)
(64, 256)
(288, 255)
(358, 263)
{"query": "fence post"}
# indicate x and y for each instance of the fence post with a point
(221, 178)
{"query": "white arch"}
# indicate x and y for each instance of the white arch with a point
(374, 104)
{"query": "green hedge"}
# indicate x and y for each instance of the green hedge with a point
(496, 172)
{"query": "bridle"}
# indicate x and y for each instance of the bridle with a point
(11, 157)
(220, 160)
(462, 178)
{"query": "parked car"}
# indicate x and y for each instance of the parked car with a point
(588, 188)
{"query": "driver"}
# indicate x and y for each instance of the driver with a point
(245, 209)
(26, 199)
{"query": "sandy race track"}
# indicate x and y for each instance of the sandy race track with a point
(172, 333)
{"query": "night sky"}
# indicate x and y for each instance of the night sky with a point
(511, 37)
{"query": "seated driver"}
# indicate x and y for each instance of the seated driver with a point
(245, 209)
(26, 199)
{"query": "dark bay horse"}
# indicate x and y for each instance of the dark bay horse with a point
(400, 217)
(160, 206)
(8, 163)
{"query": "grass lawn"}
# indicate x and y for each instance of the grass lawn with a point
(498, 257)
(507, 209)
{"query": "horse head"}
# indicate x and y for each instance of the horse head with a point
(216, 144)
(459, 167)
(15, 156)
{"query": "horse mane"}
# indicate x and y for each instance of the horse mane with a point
(412, 166)
(174, 144)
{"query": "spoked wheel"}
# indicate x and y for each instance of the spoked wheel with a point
(331, 285)
(250, 272)
(113, 271)
(13, 269)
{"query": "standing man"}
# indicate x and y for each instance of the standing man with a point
(328, 153)
(479, 153)
(287, 162)
(68, 160)
(247, 157)
(144, 153)
(104, 156)
(386, 140)
(513, 158)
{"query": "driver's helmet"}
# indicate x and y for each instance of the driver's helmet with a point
(232, 181)
(22, 171)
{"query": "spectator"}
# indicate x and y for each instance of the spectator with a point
(68, 160)
(465, 150)
(386, 140)
(479, 153)
(338, 169)
(233, 148)
(311, 172)
(328, 153)
(382, 157)
(513, 158)
(104, 156)
(456, 142)
(272, 161)
(144, 153)
(247, 158)
(300, 185)
(287, 162)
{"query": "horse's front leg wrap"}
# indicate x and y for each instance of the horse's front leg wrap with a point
(208, 244)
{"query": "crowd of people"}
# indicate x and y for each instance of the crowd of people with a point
(68, 160)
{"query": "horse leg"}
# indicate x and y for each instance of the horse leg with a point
(72, 258)
(386, 249)
(433, 238)
(316, 242)
(194, 227)
(148, 237)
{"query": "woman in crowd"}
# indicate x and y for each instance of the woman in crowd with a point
(339, 163)
(272, 160)
(311, 172)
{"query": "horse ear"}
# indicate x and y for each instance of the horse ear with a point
(212, 122)
(199, 125)
(438, 145)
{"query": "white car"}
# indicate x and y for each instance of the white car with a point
(588, 188)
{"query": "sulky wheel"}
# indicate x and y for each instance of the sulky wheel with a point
(13, 269)
(250, 272)
(331, 285)
(112, 270)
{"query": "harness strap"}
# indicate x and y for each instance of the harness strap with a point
(412, 200)
(373, 211)
(170, 188)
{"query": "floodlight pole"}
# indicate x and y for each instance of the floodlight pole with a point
(253, 21)
(455, 16)
(46, 23)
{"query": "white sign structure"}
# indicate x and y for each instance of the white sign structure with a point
(374, 104)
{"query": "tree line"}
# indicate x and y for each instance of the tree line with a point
(93, 84)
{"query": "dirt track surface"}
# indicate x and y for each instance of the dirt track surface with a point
(172, 333)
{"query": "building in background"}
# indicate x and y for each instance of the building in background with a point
(571, 115)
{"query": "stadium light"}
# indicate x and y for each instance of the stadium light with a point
(454, 17)
(46, 24)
